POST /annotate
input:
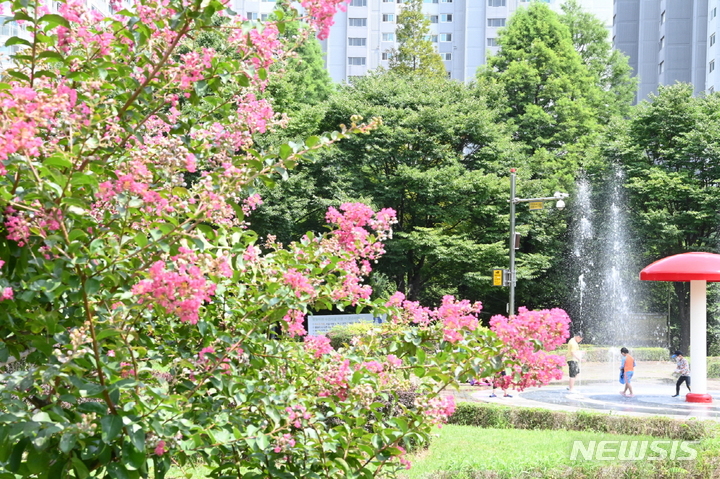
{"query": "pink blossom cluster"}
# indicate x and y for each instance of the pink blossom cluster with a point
(318, 345)
(254, 114)
(335, 380)
(296, 414)
(262, 44)
(299, 283)
(86, 28)
(455, 316)
(181, 290)
(527, 338)
(437, 409)
(28, 114)
(402, 459)
(19, 223)
(294, 320)
(321, 13)
(251, 203)
(284, 443)
(354, 227)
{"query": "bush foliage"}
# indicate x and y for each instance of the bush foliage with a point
(502, 417)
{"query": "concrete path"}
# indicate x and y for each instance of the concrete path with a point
(598, 388)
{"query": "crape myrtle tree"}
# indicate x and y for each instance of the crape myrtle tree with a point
(143, 323)
(669, 150)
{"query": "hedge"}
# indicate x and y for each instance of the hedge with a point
(342, 334)
(504, 417)
(708, 467)
(603, 354)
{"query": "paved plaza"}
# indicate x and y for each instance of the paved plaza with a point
(597, 388)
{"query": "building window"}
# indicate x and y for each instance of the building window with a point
(446, 1)
(388, 1)
(614, 20)
(711, 89)
(430, 1)
(662, 18)
(492, 42)
(358, 3)
(712, 66)
(356, 60)
(388, 37)
(662, 43)
(431, 38)
(661, 67)
(9, 29)
(713, 13)
(357, 22)
(356, 42)
(496, 22)
(386, 56)
(252, 15)
(264, 16)
(496, 3)
(388, 17)
(446, 18)
(446, 56)
(432, 18)
(449, 74)
(712, 39)
(446, 37)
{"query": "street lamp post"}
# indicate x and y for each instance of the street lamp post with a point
(560, 204)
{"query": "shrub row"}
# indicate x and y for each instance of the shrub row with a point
(504, 417)
(708, 467)
(604, 354)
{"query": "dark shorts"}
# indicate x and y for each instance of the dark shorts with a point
(574, 368)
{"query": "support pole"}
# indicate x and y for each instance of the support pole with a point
(511, 304)
(698, 342)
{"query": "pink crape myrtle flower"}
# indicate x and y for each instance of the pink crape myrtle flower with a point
(321, 14)
(6, 294)
(528, 338)
(295, 320)
(318, 345)
(160, 448)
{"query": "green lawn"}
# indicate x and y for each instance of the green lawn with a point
(507, 451)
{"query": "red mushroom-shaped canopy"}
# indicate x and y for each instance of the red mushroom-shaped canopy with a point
(684, 267)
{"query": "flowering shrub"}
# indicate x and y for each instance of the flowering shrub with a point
(155, 326)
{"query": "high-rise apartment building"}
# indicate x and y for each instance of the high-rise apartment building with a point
(463, 31)
(669, 41)
(9, 28)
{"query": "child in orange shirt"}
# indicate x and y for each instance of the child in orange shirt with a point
(628, 369)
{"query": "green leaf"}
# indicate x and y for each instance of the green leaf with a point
(111, 427)
(53, 20)
(17, 41)
(52, 55)
(117, 471)
(67, 441)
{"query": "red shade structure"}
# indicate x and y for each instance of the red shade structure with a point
(698, 268)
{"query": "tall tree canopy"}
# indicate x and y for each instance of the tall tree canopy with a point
(550, 95)
(671, 154)
(415, 53)
(610, 67)
(441, 158)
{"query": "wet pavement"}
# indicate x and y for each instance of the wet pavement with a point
(653, 395)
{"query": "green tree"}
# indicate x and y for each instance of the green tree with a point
(415, 53)
(610, 66)
(671, 155)
(551, 97)
(303, 79)
(441, 158)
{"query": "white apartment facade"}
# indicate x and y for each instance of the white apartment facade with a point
(464, 31)
(669, 41)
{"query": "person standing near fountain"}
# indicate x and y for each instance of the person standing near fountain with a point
(683, 369)
(573, 358)
(627, 368)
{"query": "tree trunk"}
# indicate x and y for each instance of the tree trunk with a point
(682, 290)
